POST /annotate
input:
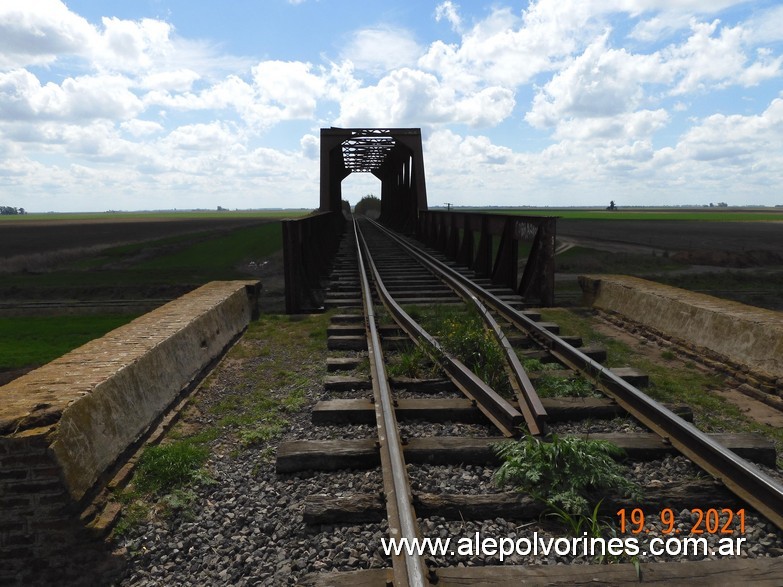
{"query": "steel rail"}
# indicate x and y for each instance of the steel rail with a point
(499, 411)
(530, 404)
(408, 569)
(744, 479)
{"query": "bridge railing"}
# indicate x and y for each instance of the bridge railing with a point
(309, 246)
(490, 244)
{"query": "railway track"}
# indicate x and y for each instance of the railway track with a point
(387, 278)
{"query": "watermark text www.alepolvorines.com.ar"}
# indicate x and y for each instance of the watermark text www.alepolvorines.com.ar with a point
(583, 546)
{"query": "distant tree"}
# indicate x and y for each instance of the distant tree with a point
(369, 205)
(722, 205)
(9, 211)
(611, 206)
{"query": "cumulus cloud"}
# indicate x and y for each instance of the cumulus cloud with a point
(408, 97)
(582, 93)
(36, 33)
(22, 97)
(726, 139)
(381, 49)
(450, 12)
(311, 146)
(141, 128)
(180, 80)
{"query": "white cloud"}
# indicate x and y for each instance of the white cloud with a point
(625, 127)
(715, 57)
(22, 97)
(729, 139)
(180, 80)
(289, 85)
(141, 128)
(449, 11)
(600, 83)
(765, 26)
(126, 45)
(213, 136)
(381, 49)
(92, 107)
(36, 33)
(311, 146)
(408, 97)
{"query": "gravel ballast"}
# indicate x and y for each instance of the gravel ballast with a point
(246, 527)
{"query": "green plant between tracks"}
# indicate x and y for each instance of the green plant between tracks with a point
(461, 332)
(566, 473)
(552, 386)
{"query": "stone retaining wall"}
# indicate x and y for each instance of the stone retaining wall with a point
(62, 426)
(745, 336)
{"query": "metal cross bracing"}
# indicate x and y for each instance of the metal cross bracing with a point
(367, 153)
(393, 155)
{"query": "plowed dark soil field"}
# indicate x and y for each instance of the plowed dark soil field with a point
(734, 244)
(22, 237)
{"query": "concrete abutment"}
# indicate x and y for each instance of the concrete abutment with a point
(745, 340)
(64, 425)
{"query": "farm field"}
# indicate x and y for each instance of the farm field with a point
(51, 234)
(738, 260)
(153, 257)
(715, 214)
(69, 278)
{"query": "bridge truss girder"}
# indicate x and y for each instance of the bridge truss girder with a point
(394, 156)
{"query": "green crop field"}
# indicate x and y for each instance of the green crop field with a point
(27, 341)
(192, 258)
(154, 268)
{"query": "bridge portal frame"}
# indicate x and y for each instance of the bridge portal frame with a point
(393, 155)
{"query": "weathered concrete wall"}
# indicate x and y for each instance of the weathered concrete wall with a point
(748, 336)
(63, 425)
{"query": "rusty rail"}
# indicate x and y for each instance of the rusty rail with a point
(740, 476)
(500, 412)
(408, 569)
(529, 402)
(469, 239)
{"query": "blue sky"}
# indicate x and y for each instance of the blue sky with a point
(161, 104)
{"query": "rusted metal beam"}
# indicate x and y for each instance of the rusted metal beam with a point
(309, 245)
(489, 244)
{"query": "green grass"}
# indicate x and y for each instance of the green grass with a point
(671, 381)
(166, 467)
(553, 386)
(35, 340)
(210, 257)
(277, 353)
(220, 255)
(461, 332)
(280, 357)
(566, 473)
